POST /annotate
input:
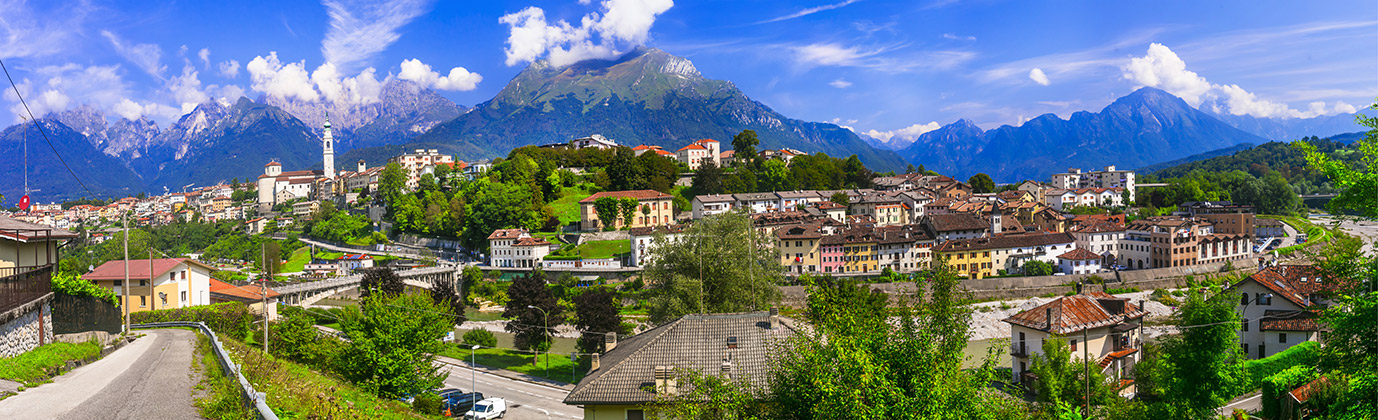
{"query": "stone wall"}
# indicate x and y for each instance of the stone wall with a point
(21, 330)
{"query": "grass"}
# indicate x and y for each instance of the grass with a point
(604, 249)
(43, 363)
(297, 262)
(567, 206)
(298, 392)
(518, 361)
(1314, 234)
(224, 399)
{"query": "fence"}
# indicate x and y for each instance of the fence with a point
(22, 285)
(259, 399)
(75, 314)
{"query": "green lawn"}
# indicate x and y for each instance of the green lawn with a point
(1314, 234)
(567, 206)
(516, 361)
(297, 262)
(38, 365)
(604, 249)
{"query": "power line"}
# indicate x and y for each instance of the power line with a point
(44, 133)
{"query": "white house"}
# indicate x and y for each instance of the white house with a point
(1079, 261)
(1278, 307)
(516, 248)
(1097, 326)
(646, 239)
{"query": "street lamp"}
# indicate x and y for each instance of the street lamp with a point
(473, 369)
(545, 317)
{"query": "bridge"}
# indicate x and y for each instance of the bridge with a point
(306, 294)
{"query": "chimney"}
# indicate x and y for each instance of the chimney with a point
(1048, 317)
(609, 341)
(774, 318)
(593, 362)
(1078, 288)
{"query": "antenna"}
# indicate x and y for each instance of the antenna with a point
(26, 155)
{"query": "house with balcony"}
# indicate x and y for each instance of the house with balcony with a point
(800, 247)
(1280, 306)
(708, 205)
(646, 239)
(1099, 327)
(28, 256)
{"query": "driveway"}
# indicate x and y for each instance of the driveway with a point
(151, 378)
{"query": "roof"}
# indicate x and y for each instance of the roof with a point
(22, 231)
(691, 146)
(692, 342)
(1267, 222)
(532, 241)
(1007, 240)
(272, 163)
(654, 230)
(506, 234)
(1296, 283)
(356, 257)
(956, 221)
(1078, 312)
(246, 292)
(801, 231)
(138, 269)
(715, 198)
(637, 194)
(1079, 254)
(662, 152)
(705, 141)
(1276, 320)
(828, 205)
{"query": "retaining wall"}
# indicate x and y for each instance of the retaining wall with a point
(26, 327)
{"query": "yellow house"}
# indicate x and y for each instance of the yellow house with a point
(965, 258)
(177, 282)
(859, 250)
(800, 248)
(628, 376)
(653, 208)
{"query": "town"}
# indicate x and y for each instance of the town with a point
(643, 209)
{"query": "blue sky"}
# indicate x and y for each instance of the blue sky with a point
(890, 68)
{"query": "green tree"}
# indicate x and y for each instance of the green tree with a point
(841, 198)
(626, 207)
(381, 281)
(607, 209)
(744, 148)
(1358, 184)
(427, 182)
(721, 264)
(391, 182)
(497, 206)
(445, 294)
(480, 337)
(856, 174)
(660, 173)
(393, 343)
(596, 313)
(624, 172)
(1037, 268)
(707, 180)
(470, 276)
(981, 183)
(1062, 376)
(775, 176)
(1191, 374)
(910, 169)
(532, 309)
(294, 336)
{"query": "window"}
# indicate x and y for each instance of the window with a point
(1244, 298)
(143, 282)
(1074, 345)
(184, 296)
(1245, 348)
(143, 301)
(1264, 299)
(1282, 337)
(636, 414)
(1244, 325)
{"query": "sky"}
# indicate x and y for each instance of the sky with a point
(889, 69)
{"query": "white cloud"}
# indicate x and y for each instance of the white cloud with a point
(1162, 68)
(830, 54)
(129, 109)
(906, 134)
(622, 23)
(840, 84)
(811, 10)
(361, 29)
(205, 55)
(956, 37)
(229, 68)
(1038, 77)
(144, 56)
(25, 32)
(291, 81)
(458, 79)
(186, 89)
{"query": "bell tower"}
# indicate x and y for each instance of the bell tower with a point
(329, 152)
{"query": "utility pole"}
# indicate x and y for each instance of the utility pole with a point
(124, 287)
(1086, 365)
(151, 289)
(264, 283)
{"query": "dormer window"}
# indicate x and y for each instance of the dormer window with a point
(731, 342)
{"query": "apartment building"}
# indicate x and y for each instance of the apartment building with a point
(420, 162)
(1110, 177)
(516, 248)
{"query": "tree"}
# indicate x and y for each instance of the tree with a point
(981, 183)
(470, 276)
(1037, 268)
(856, 174)
(707, 180)
(910, 169)
(445, 294)
(1062, 380)
(380, 281)
(391, 182)
(720, 264)
(393, 343)
(1358, 184)
(624, 172)
(626, 206)
(497, 206)
(480, 337)
(427, 182)
(528, 325)
(744, 148)
(1193, 373)
(842, 198)
(294, 336)
(606, 207)
(774, 176)
(596, 313)
(660, 173)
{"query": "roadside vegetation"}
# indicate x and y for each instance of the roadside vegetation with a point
(45, 362)
(223, 399)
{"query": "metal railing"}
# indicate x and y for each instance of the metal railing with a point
(21, 285)
(1020, 349)
(259, 399)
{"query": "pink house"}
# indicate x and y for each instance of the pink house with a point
(830, 253)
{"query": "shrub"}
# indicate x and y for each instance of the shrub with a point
(1280, 383)
(427, 403)
(230, 318)
(1302, 354)
(480, 337)
(72, 284)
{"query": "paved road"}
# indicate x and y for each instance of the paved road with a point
(150, 378)
(1251, 403)
(527, 400)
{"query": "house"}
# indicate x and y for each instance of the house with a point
(646, 239)
(305, 208)
(1279, 307)
(1079, 261)
(708, 205)
(1268, 228)
(516, 248)
(252, 295)
(759, 202)
(596, 141)
(653, 208)
(987, 256)
(28, 256)
(351, 262)
(830, 253)
(1103, 238)
(256, 226)
(1109, 178)
(947, 227)
(631, 374)
(176, 282)
(859, 249)
(799, 247)
(1097, 326)
(832, 210)
(1226, 217)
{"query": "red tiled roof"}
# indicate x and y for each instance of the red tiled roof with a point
(645, 147)
(531, 241)
(1110, 358)
(273, 163)
(662, 152)
(691, 147)
(706, 141)
(138, 269)
(637, 194)
(1296, 283)
(247, 292)
(506, 233)
(1078, 312)
(1079, 254)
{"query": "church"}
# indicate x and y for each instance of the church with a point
(276, 187)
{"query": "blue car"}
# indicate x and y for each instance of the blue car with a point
(456, 403)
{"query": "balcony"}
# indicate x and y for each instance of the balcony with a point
(21, 285)
(1020, 349)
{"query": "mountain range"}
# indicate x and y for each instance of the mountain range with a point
(647, 96)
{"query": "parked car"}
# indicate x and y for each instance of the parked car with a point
(456, 402)
(490, 408)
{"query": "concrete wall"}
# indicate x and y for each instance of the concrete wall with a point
(22, 329)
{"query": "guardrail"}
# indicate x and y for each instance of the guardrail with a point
(259, 399)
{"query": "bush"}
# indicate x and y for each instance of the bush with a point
(295, 337)
(1280, 383)
(231, 318)
(480, 337)
(1302, 354)
(427, 403)
(72, 284)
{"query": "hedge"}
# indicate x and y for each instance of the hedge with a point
(1303, 354)
(1277, 385)
(229, 318)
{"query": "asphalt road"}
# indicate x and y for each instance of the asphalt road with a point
(150, 378)
(525, 400)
